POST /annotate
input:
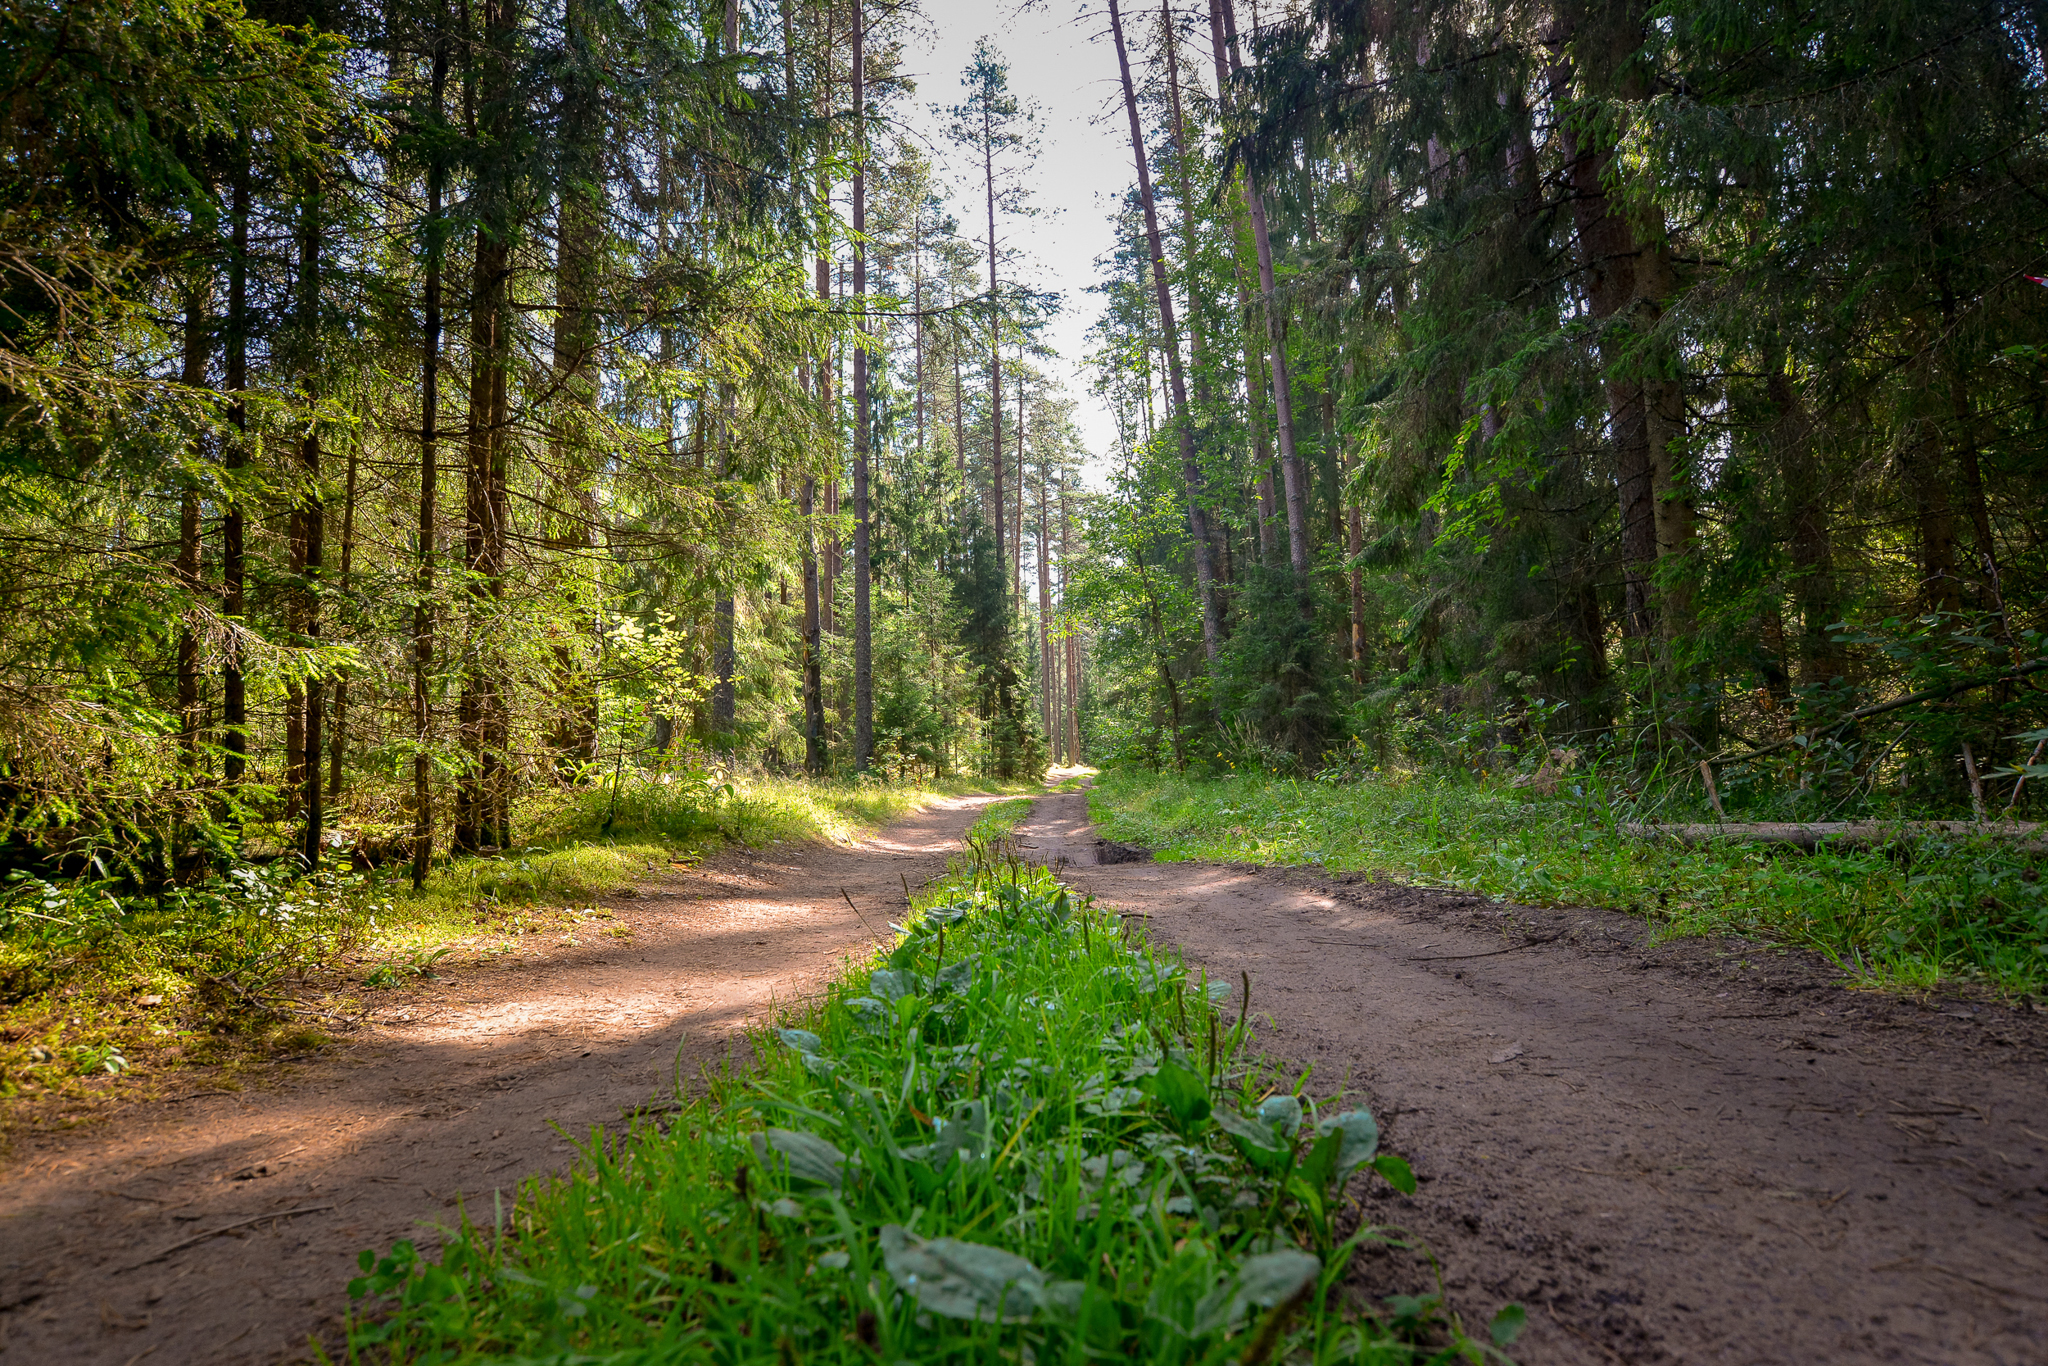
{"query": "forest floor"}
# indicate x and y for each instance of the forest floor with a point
(1696, 1150)
(1693, 1151)
(464, 1087)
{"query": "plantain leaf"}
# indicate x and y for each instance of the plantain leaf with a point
(961, 1280)
(1282, 1112)
(1182, 1091)
(802, 1040)
(1271, 1277)
(810, 1158)
(957, 976)
(891, 985)
(1255, 1139)
(1361, 1139)
(1397, 1172)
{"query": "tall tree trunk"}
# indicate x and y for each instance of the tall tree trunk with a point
(313, 513)
(1204, 395)
(1808, 539)
(815, 757)
(233, 565)
(1017, 521)
(337, 738)
(423, 572)
(1048, 669)
(1255, 363)
(863, 644)
(1073, 639)
(1629, 277)
(580, 197)
(483, 807)
(959, 419)
(995, 333)
(1293, 479)
(1191, 471)
(198, 346)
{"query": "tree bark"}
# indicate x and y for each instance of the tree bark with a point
(1048, 668)
(337, 738)
(863, 643)
(313, 514)
(1629, 277)
(483, 806)
(578, 232)
(1191, 472)
(233, 565)
(1293, 479)
(995, 331)
(1255, 363)
(423, 572)
(198, 346)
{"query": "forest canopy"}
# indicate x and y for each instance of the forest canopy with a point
(1655, 383)
(408, 412)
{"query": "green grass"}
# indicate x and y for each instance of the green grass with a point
(1025, 1135)
(105, 990)
(1955, 911)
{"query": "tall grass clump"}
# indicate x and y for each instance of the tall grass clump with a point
(1944, 909)
(1020, 1134)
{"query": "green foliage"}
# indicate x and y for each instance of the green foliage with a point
(1959, 909)
(965, 1150)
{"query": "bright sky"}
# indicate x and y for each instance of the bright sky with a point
(1084, 163)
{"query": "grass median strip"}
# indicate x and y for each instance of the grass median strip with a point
(1020, 1134)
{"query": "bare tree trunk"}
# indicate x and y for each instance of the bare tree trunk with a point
(1198, 517)
(423, 575)
(863, 643)
(483, 806)
(580, 195)
(233, 565)
(198, 345)
(995, 332)
(337, 739)
(1255, 364)
(1017, 522)
(1073, 639)
(1629, 276)
(1293, 479)
(313, 515)
(1048, 669)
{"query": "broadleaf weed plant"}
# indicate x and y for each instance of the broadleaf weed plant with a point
(1020, 1133)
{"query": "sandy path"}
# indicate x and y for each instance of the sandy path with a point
(379, 1137)
(1695, 1152)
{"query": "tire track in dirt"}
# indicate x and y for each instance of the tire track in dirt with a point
(459, 1095)
(1691, 1152)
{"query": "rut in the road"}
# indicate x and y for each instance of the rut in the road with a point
(496, 1070)
(1691, 1152)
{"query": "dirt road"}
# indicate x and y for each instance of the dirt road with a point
(1692, 1152)
(102, 1253)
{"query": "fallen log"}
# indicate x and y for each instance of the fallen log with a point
(1810, 835)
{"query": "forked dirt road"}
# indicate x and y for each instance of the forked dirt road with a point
(1692, 1152)
(378, 1139)
(1685, 1153)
